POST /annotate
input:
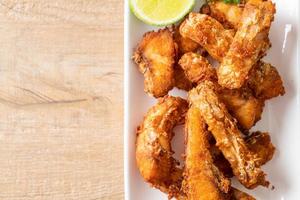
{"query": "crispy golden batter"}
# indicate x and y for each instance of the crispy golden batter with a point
(249, 43)
(155, 56)
(240, 103)
(265, 81)
(264, 72)
(153, 144)
(197, 68)
(220, 161)
(258, 142)
(202, 179)
(181, 81)
(184, 44)
(229, 15)
(228, 136)
(243, 106)
(209, 33)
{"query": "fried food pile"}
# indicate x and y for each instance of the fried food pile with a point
(223, 103)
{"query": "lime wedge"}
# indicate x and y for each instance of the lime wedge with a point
(161, 12)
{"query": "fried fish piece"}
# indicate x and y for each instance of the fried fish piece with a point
(153, 144)
(240, 103)
(197, 68)
(220, 161)
(243, 106)
(155, 56)
(265, 81)
(263, 73)
(209, 33)
(202, 179)
(260, 144)
(257, 142)
(228, 14)
(228, 137)
(249, 44)
(184, 44)
(181, 81)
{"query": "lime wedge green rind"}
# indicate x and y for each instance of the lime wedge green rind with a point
(161, 12)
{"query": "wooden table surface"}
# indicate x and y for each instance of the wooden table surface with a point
(61, 96)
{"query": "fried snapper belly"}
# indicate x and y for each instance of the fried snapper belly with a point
(155, 56)
(203, 179)
(249, 44)
(218, 42)
(229, 140)
(241, 103)
(153, 145)
(154, 153)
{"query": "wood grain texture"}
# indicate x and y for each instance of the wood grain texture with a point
(61, 73)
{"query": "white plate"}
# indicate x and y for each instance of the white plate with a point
(281, 115)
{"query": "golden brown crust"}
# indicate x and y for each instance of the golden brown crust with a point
(249, 44)
(265, 81)
(258, 142)
(229, 15)
(197, 68)
(243, 106)
(155, 56)
(184, 44)
(181, 81)
(209, 33)
(153, 144)
(220, 161)
(240, 103)
(228, 137)
(202, 179)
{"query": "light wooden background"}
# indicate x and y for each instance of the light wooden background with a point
(61, 96)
